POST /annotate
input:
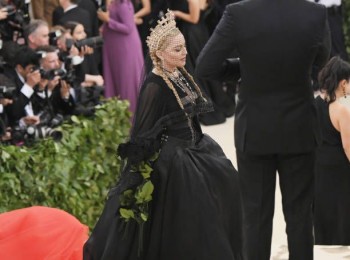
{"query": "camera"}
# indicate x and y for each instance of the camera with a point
(6, 92)
(51, 74)
(31, 133)
(18, 17)
(93, 42)
(50, 120)
(53, 36)
(40, 132)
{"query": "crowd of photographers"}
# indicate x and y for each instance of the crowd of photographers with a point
(44, 75)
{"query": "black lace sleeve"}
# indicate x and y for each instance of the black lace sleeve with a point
(146, 132)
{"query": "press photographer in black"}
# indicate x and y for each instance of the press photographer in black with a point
(14, 16)
(6, 87)
(36, 109)
(80, 66)
(56, 96)
(24, 76)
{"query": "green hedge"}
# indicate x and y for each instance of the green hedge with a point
(74, 174)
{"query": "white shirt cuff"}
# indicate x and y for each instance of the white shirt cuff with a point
(27, 90)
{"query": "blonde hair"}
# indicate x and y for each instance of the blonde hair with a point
(158, 65)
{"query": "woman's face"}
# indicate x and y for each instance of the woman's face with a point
(174, 54)
(79, 33)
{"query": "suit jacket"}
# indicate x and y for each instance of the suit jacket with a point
(76, 14)
(16, 110)
(42, 9)
(91, 7)
(278, 42)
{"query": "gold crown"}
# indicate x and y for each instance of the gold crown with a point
(165, 25)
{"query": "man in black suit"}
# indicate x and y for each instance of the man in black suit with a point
(24, 77)
(276, 127)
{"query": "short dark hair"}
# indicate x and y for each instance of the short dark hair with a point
(26, 56)
(332, 73)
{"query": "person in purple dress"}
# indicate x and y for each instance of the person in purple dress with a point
(122, 52)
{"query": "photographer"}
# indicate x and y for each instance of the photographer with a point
(24, 117)
(57, 94)
(87, 72)
(36, 34)
(14, 16)
(5, 99)
(75, 54)
(25, 78)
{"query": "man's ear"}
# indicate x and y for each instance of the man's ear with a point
(31, 38)
(20, 69)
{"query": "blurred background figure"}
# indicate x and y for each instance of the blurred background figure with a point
(43, 9)
(332, 179)
(335, 21)
(70, 11)
(142, 18)
(122, 52)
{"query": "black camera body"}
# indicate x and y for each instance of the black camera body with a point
(28, 135)
(6, 92)
(93, 42)
(18, 17)
(51, 74)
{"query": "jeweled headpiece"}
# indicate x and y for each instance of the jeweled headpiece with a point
(165, 25)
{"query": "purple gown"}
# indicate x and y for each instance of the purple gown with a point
(122, 53)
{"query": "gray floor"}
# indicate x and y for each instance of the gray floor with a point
(223, 134)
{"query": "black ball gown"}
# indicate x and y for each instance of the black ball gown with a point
(195, 211)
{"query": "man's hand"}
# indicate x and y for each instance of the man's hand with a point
(5, 101)
(64, 89)
(86, 50)
(31, 120)
(53, 83)
(3, 13)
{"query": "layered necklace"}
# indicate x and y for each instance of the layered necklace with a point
(181, 82)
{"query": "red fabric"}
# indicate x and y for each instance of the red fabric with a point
(41, 233)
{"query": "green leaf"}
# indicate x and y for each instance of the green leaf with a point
(145, 193)
(144, 217)
(126, 213)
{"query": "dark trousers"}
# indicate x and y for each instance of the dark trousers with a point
(335, 21)
(257, 177)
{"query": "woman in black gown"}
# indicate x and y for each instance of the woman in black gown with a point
(191, 17)
(194, 211)
(332, 180)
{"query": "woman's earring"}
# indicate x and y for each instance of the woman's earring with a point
(344, 92)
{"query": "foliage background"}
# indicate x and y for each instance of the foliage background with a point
(74, 174)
